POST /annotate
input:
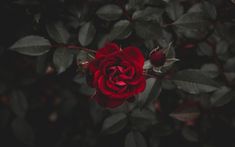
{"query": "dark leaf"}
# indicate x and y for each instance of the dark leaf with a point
(109, 12)
(86, 34)
(148, 30)
(151, 92)
(222, 96)
(121, 30)
(114, 123)
(135, 139)
(210, 70)
(58, 32)
(191, 20)
(194, 82)
(31, 45)
(189, 134)
(175, 10)
(23, 131)
(62, 59)
(19, 104)
(5, 116)
(143, 118)
(148, 14)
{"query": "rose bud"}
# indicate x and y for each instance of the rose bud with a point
(157, 58)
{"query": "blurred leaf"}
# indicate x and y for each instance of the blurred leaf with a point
(230, 65)
(121, 30)
(19, 104)
(31, 45)
(194, 82)
(23, 131)
(58, 32)
(204, 49)
(189, 134)
(222, 96)
(192, 20)
(69, 102)
(5, 116)
(42, 64)
(148, 30)
(62, 59)
(97, 112)
(114, 123)
(175, 10)
(186, 111)
(86, 34)
(136, 3)
(142, 119)
(211, 70)
(27, 2)
(161, 129)
(205, 7)
(135, 139)
(222, 47)
(87, 90)
(151, 92)
(165, 40)
(109, 12)
(148, 14)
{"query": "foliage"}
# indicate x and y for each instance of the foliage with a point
(46, 98)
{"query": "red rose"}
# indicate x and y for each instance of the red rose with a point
(117, 74)
(157, 58)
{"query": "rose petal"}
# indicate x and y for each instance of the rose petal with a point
(108, 49)
(134, 55)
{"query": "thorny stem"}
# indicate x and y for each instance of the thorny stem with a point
(73, 47)
(218, 63)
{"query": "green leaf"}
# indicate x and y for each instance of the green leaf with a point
(175, 10)
(148, 14)
(86, 34)
(222, 96)
(19, 104)
(31, 45)
(148, 30)
(135, 139)
(114, 123)
(58, 32)
(109, 12)
(62, 59)
(121, 30)
(151, 92)
(194, 82)
(23, 131)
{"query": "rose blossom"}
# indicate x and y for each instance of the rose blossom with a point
(117, 74)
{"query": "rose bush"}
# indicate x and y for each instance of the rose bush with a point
(117, 74)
